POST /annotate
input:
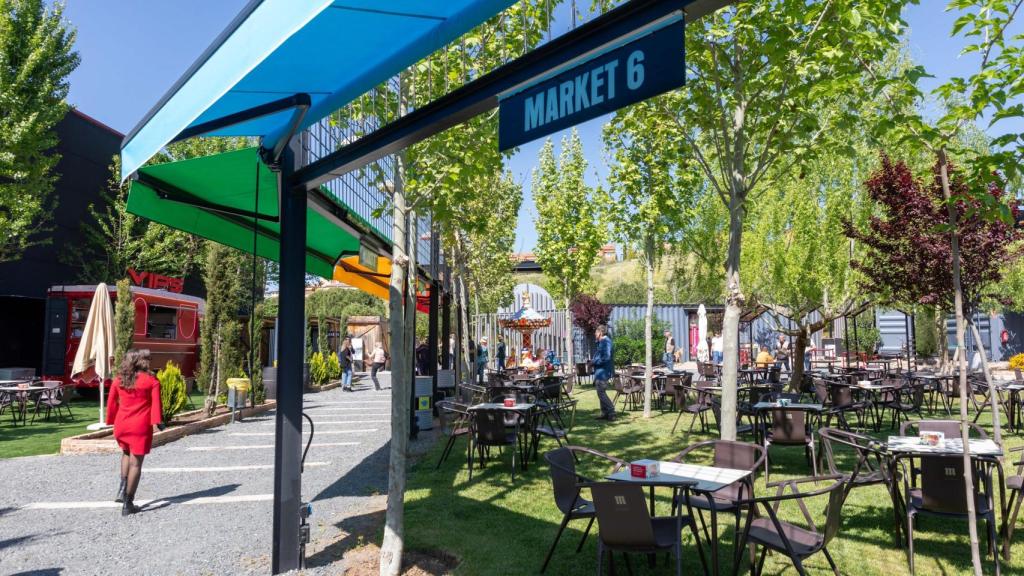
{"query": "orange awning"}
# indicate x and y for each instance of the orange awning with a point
(349, 271)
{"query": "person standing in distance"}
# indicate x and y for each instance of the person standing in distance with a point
(717, 346)
(669, 357)
(481, 359)
(377, 359)
(604, 369)
(134, 408)
(347, 359)
(500, 356)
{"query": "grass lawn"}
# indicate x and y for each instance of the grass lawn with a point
(43, 437)
(496, 526)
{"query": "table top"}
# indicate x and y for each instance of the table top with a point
(707, 478)
(791, 406)
(868, 385)
(17, 389)
(519, 407)
(953, 446)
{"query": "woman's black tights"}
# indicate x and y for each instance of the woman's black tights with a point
(131, 470)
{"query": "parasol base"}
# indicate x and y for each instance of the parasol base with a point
(98, 426)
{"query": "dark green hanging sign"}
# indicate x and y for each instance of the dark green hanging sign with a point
(629, 69)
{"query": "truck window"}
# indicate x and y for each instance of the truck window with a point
(162, 322)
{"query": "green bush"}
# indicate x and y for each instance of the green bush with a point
(628, 341)
(173, 395)
(867, 339)
(333, 367)
(318, 370)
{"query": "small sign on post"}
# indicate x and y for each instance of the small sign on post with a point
(636, 67)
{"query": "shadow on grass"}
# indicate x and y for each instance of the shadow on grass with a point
(41, 572)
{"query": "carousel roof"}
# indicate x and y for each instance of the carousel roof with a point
(525, 317)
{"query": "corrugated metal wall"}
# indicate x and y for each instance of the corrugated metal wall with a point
(895, 330)
(984, 323)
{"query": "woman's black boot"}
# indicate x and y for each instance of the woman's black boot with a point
(129, 507)
(120, 491)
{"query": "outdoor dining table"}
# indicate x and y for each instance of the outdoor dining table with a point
(1013, 409)
(755, 375)
(525, 409)
(983, 450)
(876, 390)
(703, 480)
(20, 394)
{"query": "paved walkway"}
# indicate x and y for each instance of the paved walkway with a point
(206, 498)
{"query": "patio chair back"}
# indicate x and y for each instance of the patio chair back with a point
(738, 456)
(821, 394)
(834, 512)
(489, 426)
(563, 478)
(949, 428)
(840, 395)
(789, 426)
(942, 484)
(622, 516)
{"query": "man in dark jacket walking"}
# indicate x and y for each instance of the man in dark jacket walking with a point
(604, 370)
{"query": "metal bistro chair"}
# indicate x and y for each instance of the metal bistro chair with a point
(725, 454)
(1015, 483)
(769, 532)
(696, 401)
(455, 418)
(787, 426)
(490, 428)
(565, 482)
(625, 524)
(941, 493)
(871, 465)
(907, 400)
(52, 398)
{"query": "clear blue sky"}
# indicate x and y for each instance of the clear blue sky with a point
(133, 51)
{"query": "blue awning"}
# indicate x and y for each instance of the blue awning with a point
(332, 50)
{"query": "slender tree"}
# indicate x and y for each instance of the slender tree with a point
(991, 91)
(36, 58)
(651, 193)
(570, 223)
(797, 257)
(761, 74)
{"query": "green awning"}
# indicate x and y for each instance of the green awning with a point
(214, 197)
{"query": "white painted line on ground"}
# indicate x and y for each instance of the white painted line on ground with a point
(89, 504)
(256, 446)
(319, 422)
(318, 432)
(223, 468)
(349, 402)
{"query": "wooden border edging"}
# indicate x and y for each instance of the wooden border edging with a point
(102, 441)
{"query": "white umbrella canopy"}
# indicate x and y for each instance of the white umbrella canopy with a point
(702, 334)
(92, 360)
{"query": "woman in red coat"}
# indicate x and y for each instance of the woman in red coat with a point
(134, 408)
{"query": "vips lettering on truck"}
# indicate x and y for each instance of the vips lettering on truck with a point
(587, 89)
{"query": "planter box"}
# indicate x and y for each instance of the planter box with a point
(102, 441)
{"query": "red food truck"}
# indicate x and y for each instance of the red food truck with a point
(166, 323)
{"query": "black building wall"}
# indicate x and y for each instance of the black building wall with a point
(87, 148)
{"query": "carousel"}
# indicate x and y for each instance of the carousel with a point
(526, 321)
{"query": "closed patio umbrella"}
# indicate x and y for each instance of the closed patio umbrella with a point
(702, 334)
(97, 346)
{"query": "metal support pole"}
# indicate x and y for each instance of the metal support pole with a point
(435, 287)
(913, 338)
(291, 343)
(446, 320)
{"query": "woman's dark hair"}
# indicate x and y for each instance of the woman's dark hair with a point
(134, 361)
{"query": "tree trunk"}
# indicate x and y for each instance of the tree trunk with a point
(796, 376)
(467, 366)
(958, 305)
(993, 395)
(731, 319)
(392, 546)
(649, 328)
(941, 338)
(570, 359)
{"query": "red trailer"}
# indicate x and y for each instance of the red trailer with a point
(166, 323)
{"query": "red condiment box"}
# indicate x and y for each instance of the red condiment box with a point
(643, 469)
(510, 402)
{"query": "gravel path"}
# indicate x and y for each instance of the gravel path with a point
(210, 510)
